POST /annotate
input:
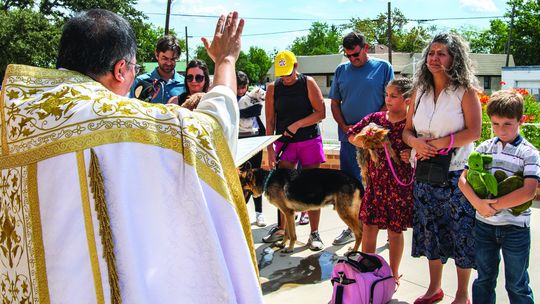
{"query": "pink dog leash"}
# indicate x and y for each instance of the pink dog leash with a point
(389, 160)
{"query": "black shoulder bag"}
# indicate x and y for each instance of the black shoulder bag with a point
(435, 170)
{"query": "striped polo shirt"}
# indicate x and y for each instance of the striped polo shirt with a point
(517, 156)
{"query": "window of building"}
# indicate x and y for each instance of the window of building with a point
(487, 82)
(329, 79)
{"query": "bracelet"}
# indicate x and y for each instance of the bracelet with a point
(447, 150)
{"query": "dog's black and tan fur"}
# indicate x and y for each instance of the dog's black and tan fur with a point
(291, 191)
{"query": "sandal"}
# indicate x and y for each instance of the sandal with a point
(304, 219)
(397, 282)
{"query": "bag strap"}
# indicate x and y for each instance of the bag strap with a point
(361, 266)
(418, 103)
(341, 281)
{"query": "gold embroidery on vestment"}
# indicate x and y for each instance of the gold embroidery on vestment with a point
(98, 190)
(90, 235)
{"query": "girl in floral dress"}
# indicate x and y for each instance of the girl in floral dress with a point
(387, 204)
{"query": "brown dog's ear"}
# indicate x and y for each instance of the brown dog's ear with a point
(249, 174)
(357, 140)
(247, 166)
(241, 174)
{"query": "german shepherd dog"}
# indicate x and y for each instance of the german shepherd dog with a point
(311, 189)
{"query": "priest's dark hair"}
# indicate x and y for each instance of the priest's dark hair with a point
(94, 40)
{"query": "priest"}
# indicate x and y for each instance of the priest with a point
(107, 199)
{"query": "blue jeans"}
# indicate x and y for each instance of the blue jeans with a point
(347, 159)
(515, 243)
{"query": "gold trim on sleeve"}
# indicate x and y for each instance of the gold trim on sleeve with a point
(90, 236)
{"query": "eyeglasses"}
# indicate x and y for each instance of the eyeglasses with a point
(198, 78)
(137, 66)
(352, 55)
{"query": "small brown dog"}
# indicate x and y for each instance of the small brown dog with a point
(293, 190)
(371, 138)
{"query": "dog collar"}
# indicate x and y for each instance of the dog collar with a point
(265, 185)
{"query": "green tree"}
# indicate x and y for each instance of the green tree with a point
(403, 40)
(260, 59)
(27, 37)
(200, 53)
(31, 30)
(489, 41)
(322, 39)
(526, 31)
(255, 63)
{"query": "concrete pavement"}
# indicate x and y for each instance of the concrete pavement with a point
(303, 276)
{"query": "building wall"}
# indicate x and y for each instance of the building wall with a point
(524, 78)
(489, 83)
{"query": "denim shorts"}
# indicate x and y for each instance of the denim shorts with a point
(306, 152)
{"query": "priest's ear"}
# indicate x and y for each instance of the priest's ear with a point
(119, 70)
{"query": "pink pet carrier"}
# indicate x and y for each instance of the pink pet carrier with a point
(362, 278)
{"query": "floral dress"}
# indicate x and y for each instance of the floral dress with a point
(385, 203)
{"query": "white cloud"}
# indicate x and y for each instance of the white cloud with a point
(480, 6)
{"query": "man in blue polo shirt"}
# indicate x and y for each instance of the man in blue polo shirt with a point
(163, 82)
(358, 89)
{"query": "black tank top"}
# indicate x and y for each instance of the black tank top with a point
(291, 103)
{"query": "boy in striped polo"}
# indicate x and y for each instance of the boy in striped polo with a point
(496, 228)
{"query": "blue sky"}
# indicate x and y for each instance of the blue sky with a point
(329, 11)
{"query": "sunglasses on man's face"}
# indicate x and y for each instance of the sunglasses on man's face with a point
(198, 78)
(352, 55)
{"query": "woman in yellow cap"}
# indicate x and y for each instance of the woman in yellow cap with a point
(294, 106)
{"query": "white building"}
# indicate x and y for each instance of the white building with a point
(522, 77)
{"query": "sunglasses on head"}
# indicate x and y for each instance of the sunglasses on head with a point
(198, 78)
(352, 55)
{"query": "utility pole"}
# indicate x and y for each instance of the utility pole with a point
(510, 35)
(167, 17)
(187, 48)
(389, 32)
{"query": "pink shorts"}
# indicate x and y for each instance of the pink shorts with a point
(306, 152)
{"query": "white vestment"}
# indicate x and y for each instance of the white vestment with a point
(107, 199)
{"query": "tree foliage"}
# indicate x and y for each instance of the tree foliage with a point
(526, 31)
(255, 63)
(30, 30)
(525, 34)
(322, 39)
(403, 39)
(27, 37)
(490, 41)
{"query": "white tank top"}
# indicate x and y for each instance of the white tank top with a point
(439, 119)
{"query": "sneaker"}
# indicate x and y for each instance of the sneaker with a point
(345, 237)
(304, 219)
(259, 220)
(275, 234)
(315, 242)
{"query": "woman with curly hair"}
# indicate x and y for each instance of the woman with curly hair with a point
(445, 113)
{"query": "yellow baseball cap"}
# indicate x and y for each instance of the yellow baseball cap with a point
(284, 63)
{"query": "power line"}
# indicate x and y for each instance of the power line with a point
(324, 19)
(270, 33)
(253, 18)
(455, 18)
